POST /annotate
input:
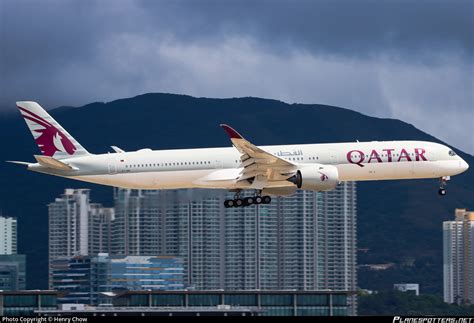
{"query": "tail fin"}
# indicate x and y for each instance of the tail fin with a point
(51, 138)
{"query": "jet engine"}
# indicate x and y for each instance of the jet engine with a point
(316, 177)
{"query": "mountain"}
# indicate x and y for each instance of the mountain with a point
(398, 221)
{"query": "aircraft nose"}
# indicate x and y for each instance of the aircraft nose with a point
(463, 165)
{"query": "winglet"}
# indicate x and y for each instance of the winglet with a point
(231, 132)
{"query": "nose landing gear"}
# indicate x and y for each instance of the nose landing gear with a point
(443, 182)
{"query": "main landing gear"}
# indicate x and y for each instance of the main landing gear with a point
(246, 201)
(443, 182)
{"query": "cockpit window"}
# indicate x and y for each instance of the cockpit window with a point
(451, 153)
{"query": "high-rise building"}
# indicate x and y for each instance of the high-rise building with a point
(100, 229)
(12, 265)
(310, 240)
(12, 272)
(68, 224)
(8, 231)
(458, 258)
(78, 227)
(83, 279)
(137, 226)
(306, 241)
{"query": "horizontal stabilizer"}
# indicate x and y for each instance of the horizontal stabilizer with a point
(50, 162)
(18, 162)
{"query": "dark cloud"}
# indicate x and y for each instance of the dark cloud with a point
(402, 59)
(336, 27)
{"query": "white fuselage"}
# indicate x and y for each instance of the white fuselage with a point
(219, 167)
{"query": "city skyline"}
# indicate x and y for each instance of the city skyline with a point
(304, 242)
(188, 197)
(77, 227)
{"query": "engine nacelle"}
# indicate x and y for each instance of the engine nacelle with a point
(316, 177)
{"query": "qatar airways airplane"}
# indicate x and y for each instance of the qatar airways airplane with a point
(269, 170)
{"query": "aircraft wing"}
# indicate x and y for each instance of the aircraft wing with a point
(260, 168)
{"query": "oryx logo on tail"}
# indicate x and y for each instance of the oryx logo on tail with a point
(52, 139)
(49, 139)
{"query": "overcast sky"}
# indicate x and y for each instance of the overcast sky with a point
(410, 60)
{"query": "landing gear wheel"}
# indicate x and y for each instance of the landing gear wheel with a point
(249, 200)
(266, 199)
(442, 192)
(258, 200)
(239, 202)
(229, 203)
